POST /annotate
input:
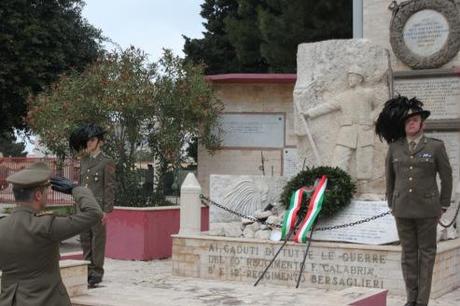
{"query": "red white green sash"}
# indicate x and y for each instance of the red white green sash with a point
(316, 203)
(290, 217)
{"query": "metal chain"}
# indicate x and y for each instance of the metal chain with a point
(333, 227)
(205, 200)
(453, 220)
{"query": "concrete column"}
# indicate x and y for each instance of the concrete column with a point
(190, 206)
(357, 18)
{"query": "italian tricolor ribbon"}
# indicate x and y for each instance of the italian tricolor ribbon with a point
(316, 203)
(290, 217)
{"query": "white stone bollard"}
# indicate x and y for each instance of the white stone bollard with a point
(190, 206)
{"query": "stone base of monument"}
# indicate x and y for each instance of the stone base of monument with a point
(74, 276)
(328, 265)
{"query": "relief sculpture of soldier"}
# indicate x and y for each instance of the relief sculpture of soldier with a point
(358, 107)
(97, 172)
(412, 164)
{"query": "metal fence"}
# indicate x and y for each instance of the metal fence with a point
(9, 165)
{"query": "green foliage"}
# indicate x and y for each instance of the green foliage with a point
(286, 23)
(149, 110)
(215, 49)
(38, 41)
(9, 147)
(339, 190)
(262, 35)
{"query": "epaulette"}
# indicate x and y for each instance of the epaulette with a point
(44, 213)
(435, 139)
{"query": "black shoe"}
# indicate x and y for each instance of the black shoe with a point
(93, 281)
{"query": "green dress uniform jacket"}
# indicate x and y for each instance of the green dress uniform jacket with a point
(411, 188)
(29, 251)
(98, 174)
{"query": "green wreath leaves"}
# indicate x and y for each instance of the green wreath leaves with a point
(339, 190)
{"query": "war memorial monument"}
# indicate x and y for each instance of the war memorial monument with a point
(408, 48)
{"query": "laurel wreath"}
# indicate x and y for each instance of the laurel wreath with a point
(339, 190)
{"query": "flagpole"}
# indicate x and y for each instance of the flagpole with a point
(277, 253)
(305, 256)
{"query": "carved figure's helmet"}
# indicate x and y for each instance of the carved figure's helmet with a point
(80, 136)
(390, 123)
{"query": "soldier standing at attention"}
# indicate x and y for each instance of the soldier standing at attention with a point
(97, 172)
(412, 163)
(29, 238)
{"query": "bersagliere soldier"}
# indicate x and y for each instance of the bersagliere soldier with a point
(412, 163)
(97, 172)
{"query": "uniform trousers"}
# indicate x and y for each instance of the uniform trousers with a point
(93, 245)
(418, 243)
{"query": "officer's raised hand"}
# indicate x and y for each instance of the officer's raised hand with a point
(62, 184)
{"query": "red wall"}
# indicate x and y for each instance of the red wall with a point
(144, 234)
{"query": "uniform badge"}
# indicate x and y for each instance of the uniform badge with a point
(425, 155)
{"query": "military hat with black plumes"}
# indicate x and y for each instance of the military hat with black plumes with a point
(80, 136)
(390, 123)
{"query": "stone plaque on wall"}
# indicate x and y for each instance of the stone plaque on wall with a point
(246, 130)
(290, 162)
(424, 33)
(440, 92)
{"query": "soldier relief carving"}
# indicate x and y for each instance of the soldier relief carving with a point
(336, 105)
(357, 108)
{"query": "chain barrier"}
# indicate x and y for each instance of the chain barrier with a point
(206, 201)
(453, 220)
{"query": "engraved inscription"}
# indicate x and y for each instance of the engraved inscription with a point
(290, 164)
(426, 32)
(324, 267)
(253, 130)
(440, 95)
(379, 231)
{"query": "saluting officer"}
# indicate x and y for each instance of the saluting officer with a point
(412, 163)
(29, 238)
(97, 172)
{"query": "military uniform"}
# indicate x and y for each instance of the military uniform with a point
(416, 203)
(98, 174)
(29, 245)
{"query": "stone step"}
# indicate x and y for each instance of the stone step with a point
(353, 296)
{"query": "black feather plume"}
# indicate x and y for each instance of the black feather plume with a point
(390, 123)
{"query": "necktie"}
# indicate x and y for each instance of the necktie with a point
(412, 146)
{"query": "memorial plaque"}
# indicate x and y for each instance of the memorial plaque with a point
(440, 95)
(253, 130)
(452, 143)
(426, 32)
(290, 162)
(379, 231)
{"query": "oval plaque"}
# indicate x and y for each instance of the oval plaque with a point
(425, 33)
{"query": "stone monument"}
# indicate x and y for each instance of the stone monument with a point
(341, 86)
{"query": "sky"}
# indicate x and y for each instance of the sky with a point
(150, 25)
